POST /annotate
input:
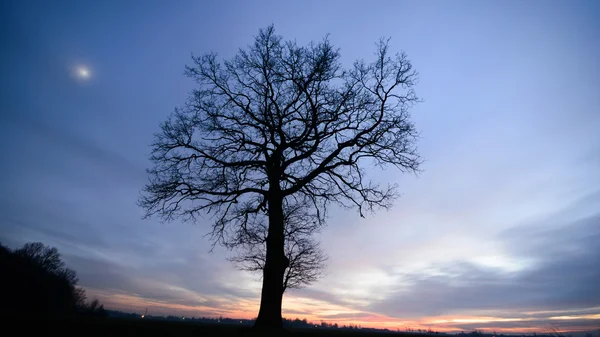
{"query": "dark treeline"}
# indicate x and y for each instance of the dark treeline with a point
(36, 282)
(302, 324)
(287, 322)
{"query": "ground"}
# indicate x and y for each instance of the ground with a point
(136, 327)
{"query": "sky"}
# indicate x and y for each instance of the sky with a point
(500, 231)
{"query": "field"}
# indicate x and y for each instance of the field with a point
(137, 327)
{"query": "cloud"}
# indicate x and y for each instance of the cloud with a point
(347, 316)
(178, 288)
(564, 276)
(527, 324)
(68, 156)
(319, 295)
(48, 224)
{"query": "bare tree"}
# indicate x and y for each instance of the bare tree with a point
(305, 256)
(281, 124)
(36, 280)
(44, 256)
(307, 261)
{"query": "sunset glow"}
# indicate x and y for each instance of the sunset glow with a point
(304, 308)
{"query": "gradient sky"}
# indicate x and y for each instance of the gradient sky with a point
(501, 231)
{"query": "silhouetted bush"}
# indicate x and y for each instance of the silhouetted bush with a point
(94, 309)
(36, 282)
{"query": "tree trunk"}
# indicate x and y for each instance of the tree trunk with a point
(269, 315)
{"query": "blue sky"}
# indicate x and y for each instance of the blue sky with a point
(501, 230)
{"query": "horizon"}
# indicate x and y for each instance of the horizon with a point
(551, 330)
(499, 232)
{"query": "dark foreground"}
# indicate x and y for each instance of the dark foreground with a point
(137, 327)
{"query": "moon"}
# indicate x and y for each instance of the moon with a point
(82, 72)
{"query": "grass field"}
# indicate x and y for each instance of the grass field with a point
(137, 327)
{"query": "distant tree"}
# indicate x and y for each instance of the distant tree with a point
(36, 281)
(47, 258)
(94, 309)
(281, 123)
(555, 331)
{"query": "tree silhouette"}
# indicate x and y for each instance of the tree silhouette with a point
(281, 124)
(47, 259)
(306, 259)
(36, 281)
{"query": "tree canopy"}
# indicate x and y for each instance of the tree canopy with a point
(277, 126)
(36, 281)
